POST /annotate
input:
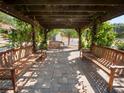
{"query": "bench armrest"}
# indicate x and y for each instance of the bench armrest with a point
(2, 69)
(117, 67)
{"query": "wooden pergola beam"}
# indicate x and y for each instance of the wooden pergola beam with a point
(112, 14)
(62, 13)
(66, 2)
(69, 8)
(44, 10)
(63, 25)
(11, 11)
(65, 22)
(70, 18)
(61, 16)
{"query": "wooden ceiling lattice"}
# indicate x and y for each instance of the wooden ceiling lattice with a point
(64, 13)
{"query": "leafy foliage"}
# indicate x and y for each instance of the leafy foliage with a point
(119, 44)
(119, 28)
(86, 38)
(39, 37)
(121, 35)
(105, 35)
(22, 34)
(51, 35)
(70, 33)
(4, 18)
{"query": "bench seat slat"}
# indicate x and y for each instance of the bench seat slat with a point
(15, 62)
(94, 59)
(109, 60)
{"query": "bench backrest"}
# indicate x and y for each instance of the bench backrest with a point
(109, 56)
(22, 52)
(112, 55)
(8, 57)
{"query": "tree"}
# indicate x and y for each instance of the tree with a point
(4, 18)
(70, 33)
(22, 34)
(53, 33)
(104, 37)
(105, 34)
(119, 29)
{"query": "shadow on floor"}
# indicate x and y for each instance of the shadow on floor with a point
(64, 72)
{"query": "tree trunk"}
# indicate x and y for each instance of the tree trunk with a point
(69, 37)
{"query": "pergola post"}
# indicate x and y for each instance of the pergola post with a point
(45, 35)
(79, 37)
(45, 31)
(33, 39)
(94, 31)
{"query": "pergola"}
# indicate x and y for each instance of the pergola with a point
(75, 14)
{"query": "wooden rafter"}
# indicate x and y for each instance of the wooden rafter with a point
(69, 8)
(66, 2)
(68, 13)
(11, 11)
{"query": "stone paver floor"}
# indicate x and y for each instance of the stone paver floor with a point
(59, 74)
(64, 72)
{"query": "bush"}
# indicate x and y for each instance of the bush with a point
(105, 35)
(120, 45)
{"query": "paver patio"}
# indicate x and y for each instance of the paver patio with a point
(59, 74)
(64, 72)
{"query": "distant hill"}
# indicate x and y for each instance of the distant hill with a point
(119, 28)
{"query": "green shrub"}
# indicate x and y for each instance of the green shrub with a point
(105, 35)
(120, 44)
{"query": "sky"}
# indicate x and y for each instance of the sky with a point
(119, 19)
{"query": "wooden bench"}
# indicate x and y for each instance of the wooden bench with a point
(14, 62)
(109, 60)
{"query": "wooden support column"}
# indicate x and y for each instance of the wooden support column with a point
(94, 31)
(33, 39)
(45, 31)
(79, 36)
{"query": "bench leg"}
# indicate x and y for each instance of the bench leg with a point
(13, 80)
(111, 79)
